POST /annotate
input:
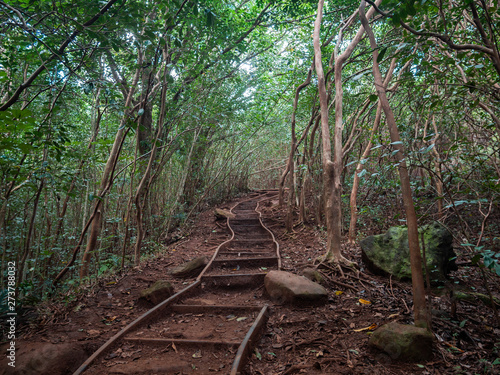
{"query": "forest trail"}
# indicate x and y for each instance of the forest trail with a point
(210, 325)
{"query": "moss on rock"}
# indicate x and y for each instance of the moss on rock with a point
(389, 253)
(403, 342)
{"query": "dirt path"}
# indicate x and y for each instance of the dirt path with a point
(200, 328)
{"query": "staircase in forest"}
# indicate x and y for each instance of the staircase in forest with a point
(210, 326)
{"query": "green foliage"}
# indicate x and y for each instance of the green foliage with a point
(485, 258)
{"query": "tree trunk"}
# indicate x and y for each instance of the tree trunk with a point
(437, 167)
(27, 244)
(359, 166)
(420, 310)
(355, 182)
(293, 146)
(106, 177)
(142, 189)
(332, 170)
(329, 180)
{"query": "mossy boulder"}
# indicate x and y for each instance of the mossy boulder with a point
(191, 268)
(158, 292)
(403, 342)
(389, 253)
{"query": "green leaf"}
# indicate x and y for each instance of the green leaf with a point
(475, 259)
(427, 149)
(3, 76)
(362, 173)
(373, 97)
(396, 19)
(257, 354)
(210, 18)
(381, 54)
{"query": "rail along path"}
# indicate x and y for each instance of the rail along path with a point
(210, 326)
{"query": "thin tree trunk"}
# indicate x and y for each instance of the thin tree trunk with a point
(291, 191)
(183, 179)
(95, 130)
(419, 303)
(437, 167)
(364, 156)
(106, 177)
(141, 190)
(355, 182)
(332, 170)
(27, 244)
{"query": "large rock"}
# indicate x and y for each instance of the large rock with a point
(45, 359)
(191, 268)
(221, 214)
(389, 253)
(285, 287)
(403, 342)
(158, 292)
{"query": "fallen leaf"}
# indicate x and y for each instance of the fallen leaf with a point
(454, 347)
(173, 347)
(197, 354)
(93, 332)
(393, 316)
(364, 301)
(370, 328)
(338, 292)
(241, 318)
